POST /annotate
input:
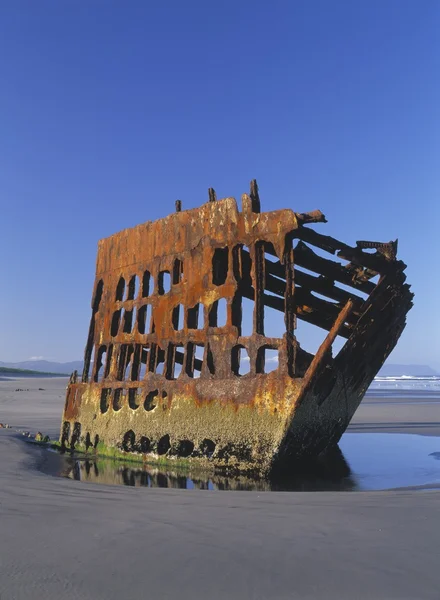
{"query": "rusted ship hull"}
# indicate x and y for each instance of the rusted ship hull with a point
(162, 374)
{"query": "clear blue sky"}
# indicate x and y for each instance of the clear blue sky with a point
(112, 110)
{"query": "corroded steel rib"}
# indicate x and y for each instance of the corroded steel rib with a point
(170, 371)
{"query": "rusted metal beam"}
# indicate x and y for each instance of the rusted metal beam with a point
(387, 249)
(255, 197)
(377, 263)
(325, 242)
(305, 257)
(325, 346)
(310, 284)
(315, 316)
(314, 216)
(276, 277)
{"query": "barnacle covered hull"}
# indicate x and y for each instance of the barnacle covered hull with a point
(171, 373)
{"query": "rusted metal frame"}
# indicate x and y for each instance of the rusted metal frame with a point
(326, 287)
(99, 351)
(289, 308)
(324, 322)
(127, 326)
(305, 257)
(387, 249)
(135, 368)
(170, 361)
(260, 358)
(108, 360)
(305, 297)
(220, 265)
(308, 314)
(120, 289)
(152, 358)
(304, 300)
(192, 363)
(372, 304)
(145, 352)
(161, 358)
(246, 264)
(323, 284)
(325, 242)
(177, 271)
(235, 359)
(255, 197)
(275, 282)
(259, 285)
(260, 340)
(115, 323)
(189, 359)
(314, 216)
(376, 316)
(384, 320)
(179, 357)
(97, 297)
(142, 319)
(120, 362)
(376, 263)
(131, 288)
(195, 362)
(210, 364)
(125, 384)
(89, 350)
(237, 310)
(244, 273)
(212, 195)
(175, 317)
(124, 357)
(112, 361)
(193, 316)
(237, 261)
(279, 281)
(325, 347)
(271, 301)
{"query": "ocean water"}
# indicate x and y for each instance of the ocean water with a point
(427, 388)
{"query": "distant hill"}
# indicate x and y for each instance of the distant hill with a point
(409, 370)
(45, 366)
(9, 372)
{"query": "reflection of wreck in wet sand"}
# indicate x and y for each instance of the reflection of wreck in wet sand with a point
(164, 361)
(324, 473)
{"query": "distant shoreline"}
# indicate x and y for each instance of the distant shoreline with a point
(18, 373)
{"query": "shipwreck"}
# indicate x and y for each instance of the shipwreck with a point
(170, 371)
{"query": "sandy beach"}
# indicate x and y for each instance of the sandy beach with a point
(64, 539)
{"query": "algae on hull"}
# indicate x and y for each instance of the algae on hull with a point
(165, 356)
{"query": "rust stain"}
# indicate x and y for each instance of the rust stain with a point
(166, 348)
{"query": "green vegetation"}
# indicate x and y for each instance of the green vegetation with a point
(115, 454)
(28, 372)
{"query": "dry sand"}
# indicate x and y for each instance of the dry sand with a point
(60, 539)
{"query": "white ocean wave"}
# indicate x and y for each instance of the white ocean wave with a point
(406, 383)
(406, 378)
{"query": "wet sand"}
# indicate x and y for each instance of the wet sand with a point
(63, 539)
(398, 415)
